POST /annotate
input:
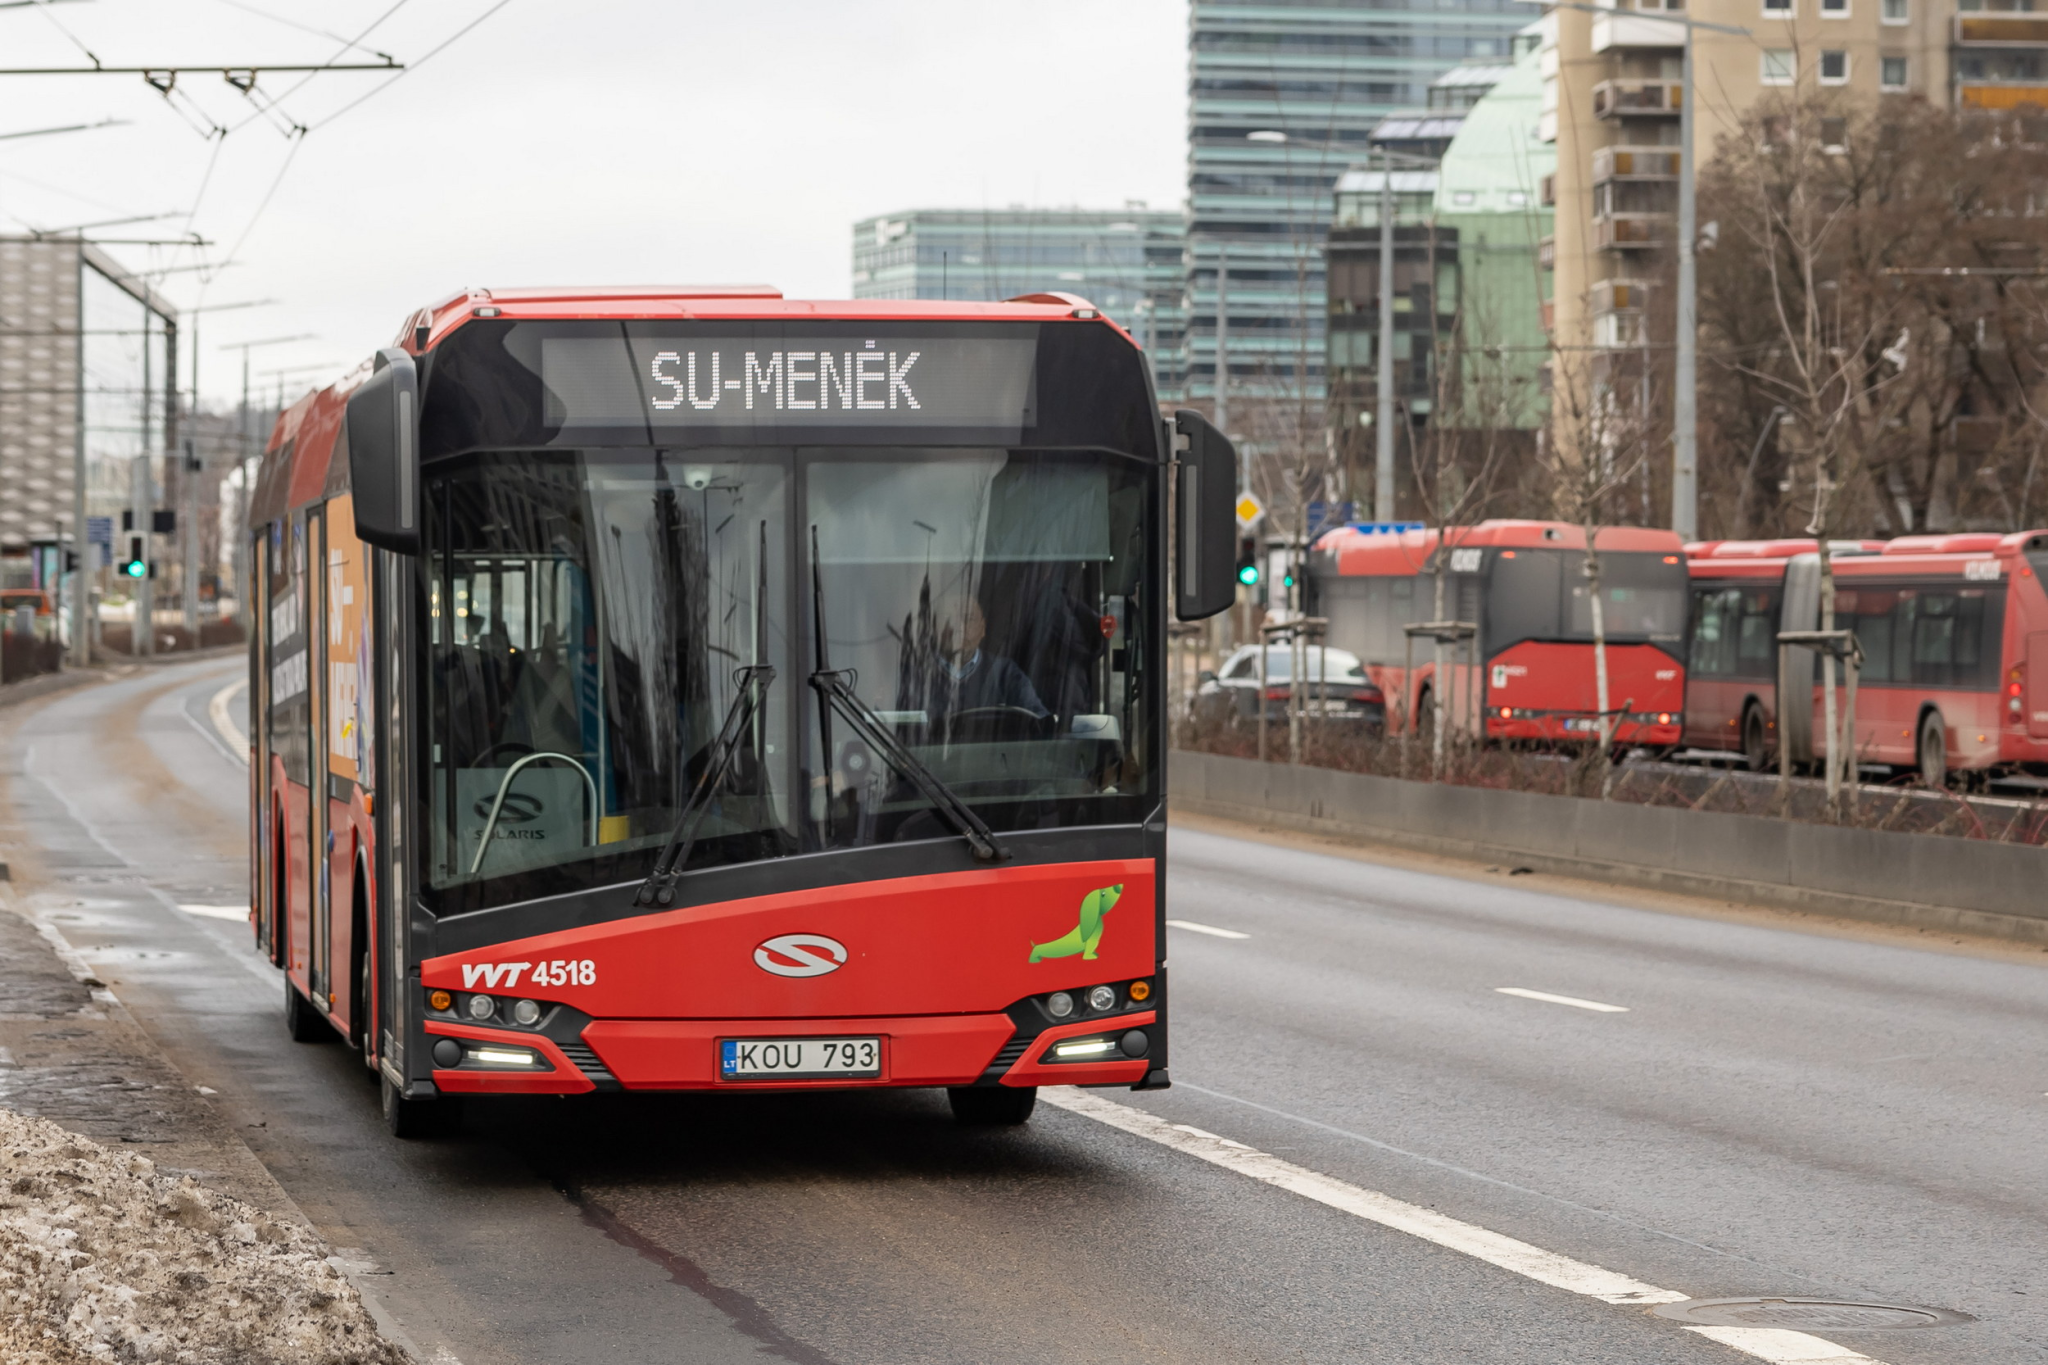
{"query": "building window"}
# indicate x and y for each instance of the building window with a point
(1834, 68)
(1777, 66)
(1891, 73)
(1895, 11)
(1834, 9)
(1778, 9)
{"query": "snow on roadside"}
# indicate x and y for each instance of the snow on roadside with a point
(104, 1259)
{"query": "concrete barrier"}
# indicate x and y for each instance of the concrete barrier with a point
(1929, 881)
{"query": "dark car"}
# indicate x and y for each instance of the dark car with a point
(1337, 689)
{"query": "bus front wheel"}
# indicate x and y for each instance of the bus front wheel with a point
(1932, 750)
(989, 1106)
(1756, 751)
(408, 1119)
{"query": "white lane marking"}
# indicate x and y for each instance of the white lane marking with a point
(1571, 1000)
(1531, 1262)
(217, 711)
(1195, 928)
(238, 913)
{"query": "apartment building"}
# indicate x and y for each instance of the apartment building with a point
(1611, 106)
(1282, 97)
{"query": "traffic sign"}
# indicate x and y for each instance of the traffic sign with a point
(1250, 511)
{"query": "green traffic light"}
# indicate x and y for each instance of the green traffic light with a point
(1248, 574)
(136, 568)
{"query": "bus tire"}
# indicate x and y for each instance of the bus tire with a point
(301, 1020)
(409, 1119)
(1756, 748)
(1931, 750)
(992, 1106)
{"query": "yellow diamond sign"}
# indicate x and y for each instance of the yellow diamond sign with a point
(1249, 510)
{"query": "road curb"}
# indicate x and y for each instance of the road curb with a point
(1356, 809)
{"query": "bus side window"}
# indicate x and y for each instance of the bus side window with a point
(1756, 652)
(1712, 646)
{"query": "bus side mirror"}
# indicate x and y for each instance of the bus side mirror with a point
(383, 424)
(1205, 548)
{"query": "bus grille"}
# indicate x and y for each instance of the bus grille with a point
(1004, 1060)
(586, 1061)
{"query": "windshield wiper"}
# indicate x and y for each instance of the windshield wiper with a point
(753, 681)
(836, 693)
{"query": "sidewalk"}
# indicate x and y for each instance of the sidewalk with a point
(171, 1241)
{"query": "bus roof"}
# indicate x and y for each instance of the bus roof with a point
(1965, 544)
(1749, 550)
(1380, 553)
(723, 301)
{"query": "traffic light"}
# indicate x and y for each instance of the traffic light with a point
(1248, 562)
(135, 566)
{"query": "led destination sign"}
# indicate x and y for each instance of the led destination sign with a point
(929, 383)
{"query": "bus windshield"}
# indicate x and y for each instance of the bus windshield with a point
(1538, 594)
(588, 614)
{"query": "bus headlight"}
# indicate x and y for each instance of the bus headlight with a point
(525, 1012)
(1079, 1049)
(1059, 1004)
(482, 1007)
(1102, 998)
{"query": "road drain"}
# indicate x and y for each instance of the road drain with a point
(1807, 1315)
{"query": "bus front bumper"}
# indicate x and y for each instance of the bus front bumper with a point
(684, 1054)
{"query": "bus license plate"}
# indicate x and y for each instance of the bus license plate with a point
(792, 1059)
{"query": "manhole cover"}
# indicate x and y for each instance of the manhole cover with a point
(1807, 1315)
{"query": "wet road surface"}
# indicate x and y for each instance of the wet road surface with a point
(1757, 1110)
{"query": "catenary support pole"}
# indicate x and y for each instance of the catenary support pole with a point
(1383, 384)
(1684, 396)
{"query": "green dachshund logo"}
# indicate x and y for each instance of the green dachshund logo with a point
(1085, 936)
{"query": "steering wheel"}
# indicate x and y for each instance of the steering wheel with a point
(992, 724)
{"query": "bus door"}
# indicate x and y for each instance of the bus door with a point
(318, 825)
(2037, 684)
(285, 632)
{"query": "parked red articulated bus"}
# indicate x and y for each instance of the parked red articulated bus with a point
(1954, 631)
(691, 689)
(1523, 585)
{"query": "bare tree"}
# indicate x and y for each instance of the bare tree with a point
(1603, 436)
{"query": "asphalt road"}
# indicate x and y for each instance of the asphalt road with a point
(1772, 1111)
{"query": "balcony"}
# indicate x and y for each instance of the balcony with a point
(1632, 231)
(2003, 95)
(1617, 296)
(1637, 99)
(1626, 28)
(2002, 30)
(1634, 163)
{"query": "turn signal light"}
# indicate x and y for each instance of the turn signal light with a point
(1141, 990)
(440, 1000)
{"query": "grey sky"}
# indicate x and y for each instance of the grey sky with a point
(608, 142)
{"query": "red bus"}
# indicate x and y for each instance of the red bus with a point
(670, 689)
(1521, 584)
(1954, 632)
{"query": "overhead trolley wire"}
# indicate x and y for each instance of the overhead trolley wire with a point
(415, 64)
